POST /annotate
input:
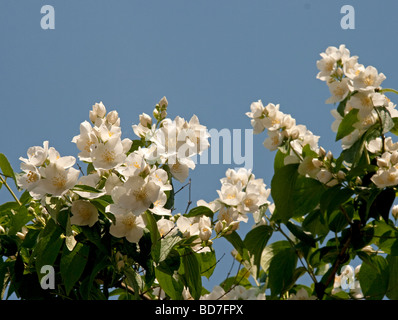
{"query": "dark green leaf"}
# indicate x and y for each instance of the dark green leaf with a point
(346, 125)
(294, 195)
(191, 272)
(373, 277)
(49, 245)
(301, 235)
(169, 285)
(392, 291)
(73, 264)
(255, 241)
(200, 211)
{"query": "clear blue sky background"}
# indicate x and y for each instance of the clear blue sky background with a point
(209, 58)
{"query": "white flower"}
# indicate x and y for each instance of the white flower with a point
(108, 155)
(188, 226)
(328, 64)
(133, 165)
(180, 170)
(368, 79)
(36, 155)
(385, 178)
(85, 140)
(218, 293)
(158, 205)
(204, 228)
(30, 178)
(273, 141)
(57, 180)
(98, 111)
(127, 224)
(339, 90)
(84, 213)
(136, 194)
(308, 167)
(166, 227)
(230, 194)
(257, 114)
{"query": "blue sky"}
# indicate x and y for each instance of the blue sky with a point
(209, 58)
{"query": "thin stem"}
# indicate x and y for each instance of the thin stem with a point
(388, 90)
(9, 189)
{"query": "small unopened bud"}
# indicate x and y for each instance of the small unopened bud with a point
(329, 156)
(99, 111)
(322, 152)
(395, 212)
(2, 230)
(112, 117)
(341, 175)
(218, 227)
(163, 103)
(145, 120)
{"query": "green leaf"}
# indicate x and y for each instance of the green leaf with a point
(385, 117)
(155, 236)
(207, 262)
(373, 277)
(294, 195)
(394, 129)
(19, 219)
(133, 280)
(347, 124)
(166, 245)
(200, 211)
(190, 270)
(49, 245)
(237, 243)
(171, 263)
(6, 167)
(255, 241)
(281, 271)
(270, 251)
(392, 291)
(386, 237)
(169, 285)
(72, 265)
(279, 160)
(301, 235)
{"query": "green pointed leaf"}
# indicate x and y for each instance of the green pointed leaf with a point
(294, 195)
(255, 241)
(373, 277)
(200, 211)
(347, 124)
(72, 265)
(6, 167)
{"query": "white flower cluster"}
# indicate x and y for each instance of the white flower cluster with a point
(241, 193)
(46, 172)
(347, 281)
(237, 292)
(284, 133)
(281, 128)
(387, 173)
(174, 142)
(347, 79)
(135, 180)
(188, 227)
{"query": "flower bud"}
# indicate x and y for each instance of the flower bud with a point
(2, 230)
(218, 227)
(145, 120)
(163, 103)
(112, 117)
(395, 212)
(98, 111)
